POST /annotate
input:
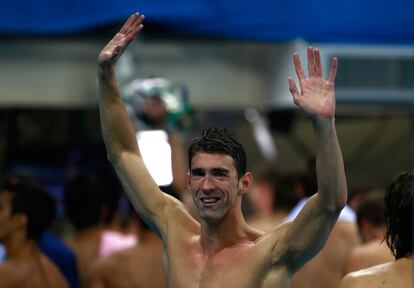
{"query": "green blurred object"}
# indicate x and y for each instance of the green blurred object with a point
(174, 97)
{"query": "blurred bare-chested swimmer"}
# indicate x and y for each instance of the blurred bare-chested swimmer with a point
(138, 266)
(222, 250)
(25, 213)
(399, 199)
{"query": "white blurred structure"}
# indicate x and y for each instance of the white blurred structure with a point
(156, 152)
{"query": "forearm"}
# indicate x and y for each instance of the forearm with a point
(117, 130)
(330, 172)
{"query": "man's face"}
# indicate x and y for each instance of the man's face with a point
(214, 185)
(6, 217)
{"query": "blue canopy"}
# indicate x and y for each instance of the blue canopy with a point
(352, 21)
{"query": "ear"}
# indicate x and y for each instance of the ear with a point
(188, 181)
(19, 220)
(245, 182)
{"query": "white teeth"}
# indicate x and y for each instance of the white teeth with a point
(209, 200)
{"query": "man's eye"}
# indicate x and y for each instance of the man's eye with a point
(197, 173)
(220, 174)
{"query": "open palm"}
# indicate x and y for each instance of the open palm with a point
(114, 49)
(317, 96)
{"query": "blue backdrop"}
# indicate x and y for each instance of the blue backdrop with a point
(356, 21)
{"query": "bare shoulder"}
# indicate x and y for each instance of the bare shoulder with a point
(8, 274)
(55, 277)
(354, 281)
(393, 274)
(363, 278)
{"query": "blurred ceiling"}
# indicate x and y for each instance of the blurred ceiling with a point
(352, 21)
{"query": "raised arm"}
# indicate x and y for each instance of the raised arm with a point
(119, 135)
(308, 233)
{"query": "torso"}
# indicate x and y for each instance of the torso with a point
(243, 265)
(85, 245)
(120, 269)
(35, 271)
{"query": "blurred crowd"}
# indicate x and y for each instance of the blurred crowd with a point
(101, 242)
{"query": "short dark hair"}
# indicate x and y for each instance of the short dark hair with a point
(399, 215)
(34, 202)
(83, 200)
(216, 140)
(372, 208)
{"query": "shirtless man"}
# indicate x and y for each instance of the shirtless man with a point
(83, 207)
(139, 266)
(372, 229)
(25, 212)
(222, 250)
(399, 200)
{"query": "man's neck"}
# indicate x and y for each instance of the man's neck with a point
(19, 246)
(229, 231)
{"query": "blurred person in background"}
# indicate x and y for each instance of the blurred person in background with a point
(84, 206)
(138, 266)
(357, 194)
(399, 273)
(50, 244)
(272, 196)
(327, 268)
(371, 227)
(25, 213)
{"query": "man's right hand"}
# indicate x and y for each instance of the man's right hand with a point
(114, 49)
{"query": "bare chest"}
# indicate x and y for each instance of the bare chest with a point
(240, 267)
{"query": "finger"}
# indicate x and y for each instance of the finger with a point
(298, 67)
(127, 24)
(132, 35)
(318, 64)
(293, 89)
(334, 68)
(311, 62)
(136, 26)
(134, 23)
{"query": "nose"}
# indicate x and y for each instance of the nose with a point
(207, 183)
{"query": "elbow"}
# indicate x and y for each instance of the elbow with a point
(334, 204)
(342, 197)
(341, 201)
(113, 157)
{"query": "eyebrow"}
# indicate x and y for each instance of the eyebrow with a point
(221, 170)
(195, 170)
(218, 169)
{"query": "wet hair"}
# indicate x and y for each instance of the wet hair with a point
(215, 140)
(372, 209)
(399, 215)
(83, 200)
(34, 202)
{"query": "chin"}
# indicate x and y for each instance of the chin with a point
(211, 216)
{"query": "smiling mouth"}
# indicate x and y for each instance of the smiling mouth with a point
(209, 201)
